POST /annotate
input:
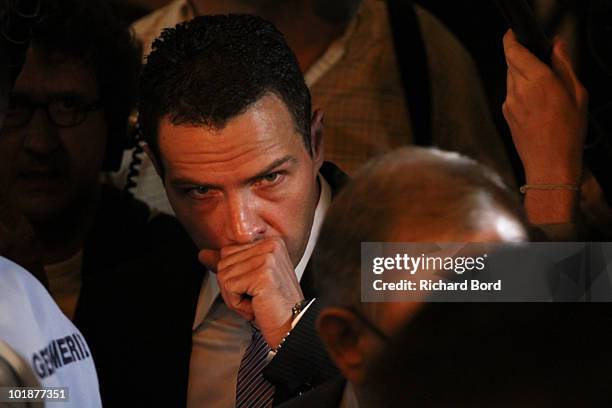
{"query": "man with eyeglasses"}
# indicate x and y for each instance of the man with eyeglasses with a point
(64, 110)
(65, 123)
(66, 117)
(31, 324)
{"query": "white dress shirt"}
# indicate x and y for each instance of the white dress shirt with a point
(221, 336)
(349, 399)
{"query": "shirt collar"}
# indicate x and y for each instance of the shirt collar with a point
(349, 399)
(210, 288)
(320, 211)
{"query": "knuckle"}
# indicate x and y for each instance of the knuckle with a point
(269, 259)
(221, 266)
(523, 93)
(229, 284)
(510, 49)
(266, 280)
(508, 107)
(275, 244)
(221, 276)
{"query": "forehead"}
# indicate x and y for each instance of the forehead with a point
(264, 133)
(48, 74)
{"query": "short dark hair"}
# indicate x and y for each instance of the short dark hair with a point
(90, 32)
(209, 70)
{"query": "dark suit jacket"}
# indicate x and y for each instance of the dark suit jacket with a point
(141, 283)
(328, 395)
(302, 363)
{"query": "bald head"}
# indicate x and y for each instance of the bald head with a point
(427, 194)
(412, 195)
(409, 195)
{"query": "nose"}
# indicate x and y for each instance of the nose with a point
(243, 223)
(40, 135)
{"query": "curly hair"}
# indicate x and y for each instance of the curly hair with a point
(210, 69)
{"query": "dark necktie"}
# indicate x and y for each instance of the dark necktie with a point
(252, 389)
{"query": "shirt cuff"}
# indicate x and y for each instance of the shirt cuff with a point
(294, 323)
(299, 316)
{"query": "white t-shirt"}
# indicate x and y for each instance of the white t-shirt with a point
(34, 326)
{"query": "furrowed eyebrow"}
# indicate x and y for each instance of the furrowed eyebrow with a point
(180, 182)
(186, 181)
(272, 166)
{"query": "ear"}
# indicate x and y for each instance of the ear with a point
(154, 160)
(343, 335)
(316, 138)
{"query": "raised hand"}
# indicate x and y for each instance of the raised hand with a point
(258, 281)
(546, 109)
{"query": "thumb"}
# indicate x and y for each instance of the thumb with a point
(209, 258)
(562, 65)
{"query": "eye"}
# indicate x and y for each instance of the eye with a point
(270, 178)
(67, 104)
(199, 192)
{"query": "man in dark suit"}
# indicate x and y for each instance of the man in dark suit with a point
(228, 123)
